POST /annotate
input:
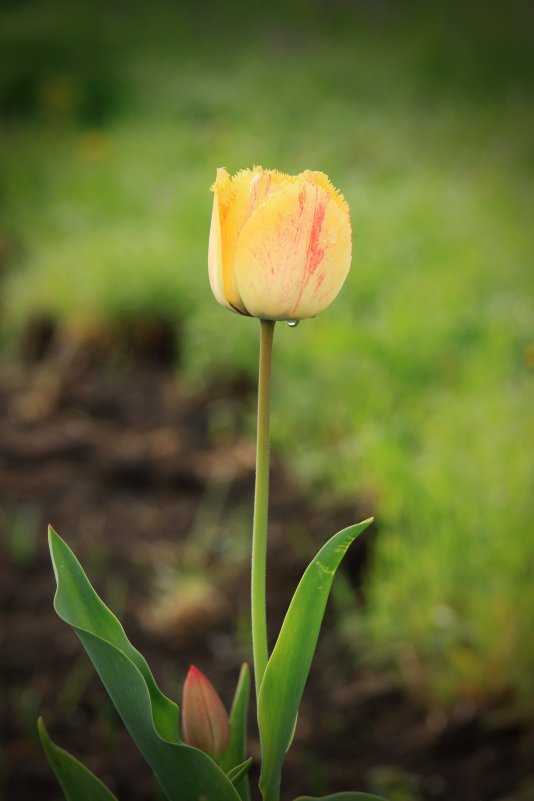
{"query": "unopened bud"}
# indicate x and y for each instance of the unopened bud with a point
(205, 722)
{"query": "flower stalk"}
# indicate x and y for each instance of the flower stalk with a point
(261, 503)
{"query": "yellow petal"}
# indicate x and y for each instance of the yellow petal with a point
(293, 252)
(322, 180)
(238, 197)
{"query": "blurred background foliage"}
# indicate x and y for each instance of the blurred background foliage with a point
(413, 391)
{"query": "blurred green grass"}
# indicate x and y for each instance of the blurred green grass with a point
(414, 389)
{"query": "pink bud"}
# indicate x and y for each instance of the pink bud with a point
(205, 722)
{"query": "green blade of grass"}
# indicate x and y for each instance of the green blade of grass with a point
(236, 753)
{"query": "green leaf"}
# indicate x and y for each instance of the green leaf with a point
(77, 604)
(349, 796)
(184, 773)
(236, 753)
(239, 771)
(77, 782)
(287, 670)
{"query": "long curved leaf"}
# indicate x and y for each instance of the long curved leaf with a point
(77, 604)
(184, 773)
(287, 670)
(77, 782)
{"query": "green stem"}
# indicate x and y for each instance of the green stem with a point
(261, 503)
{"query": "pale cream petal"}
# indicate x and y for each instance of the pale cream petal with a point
(215, 259)
(293, 252)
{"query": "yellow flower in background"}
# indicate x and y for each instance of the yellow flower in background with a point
(280, 245)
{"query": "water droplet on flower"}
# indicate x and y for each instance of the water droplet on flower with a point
(293, 323)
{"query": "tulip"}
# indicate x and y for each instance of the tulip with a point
(280, 245)
(205, 722)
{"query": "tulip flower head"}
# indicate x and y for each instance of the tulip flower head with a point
(280, 245)
(205, 722)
